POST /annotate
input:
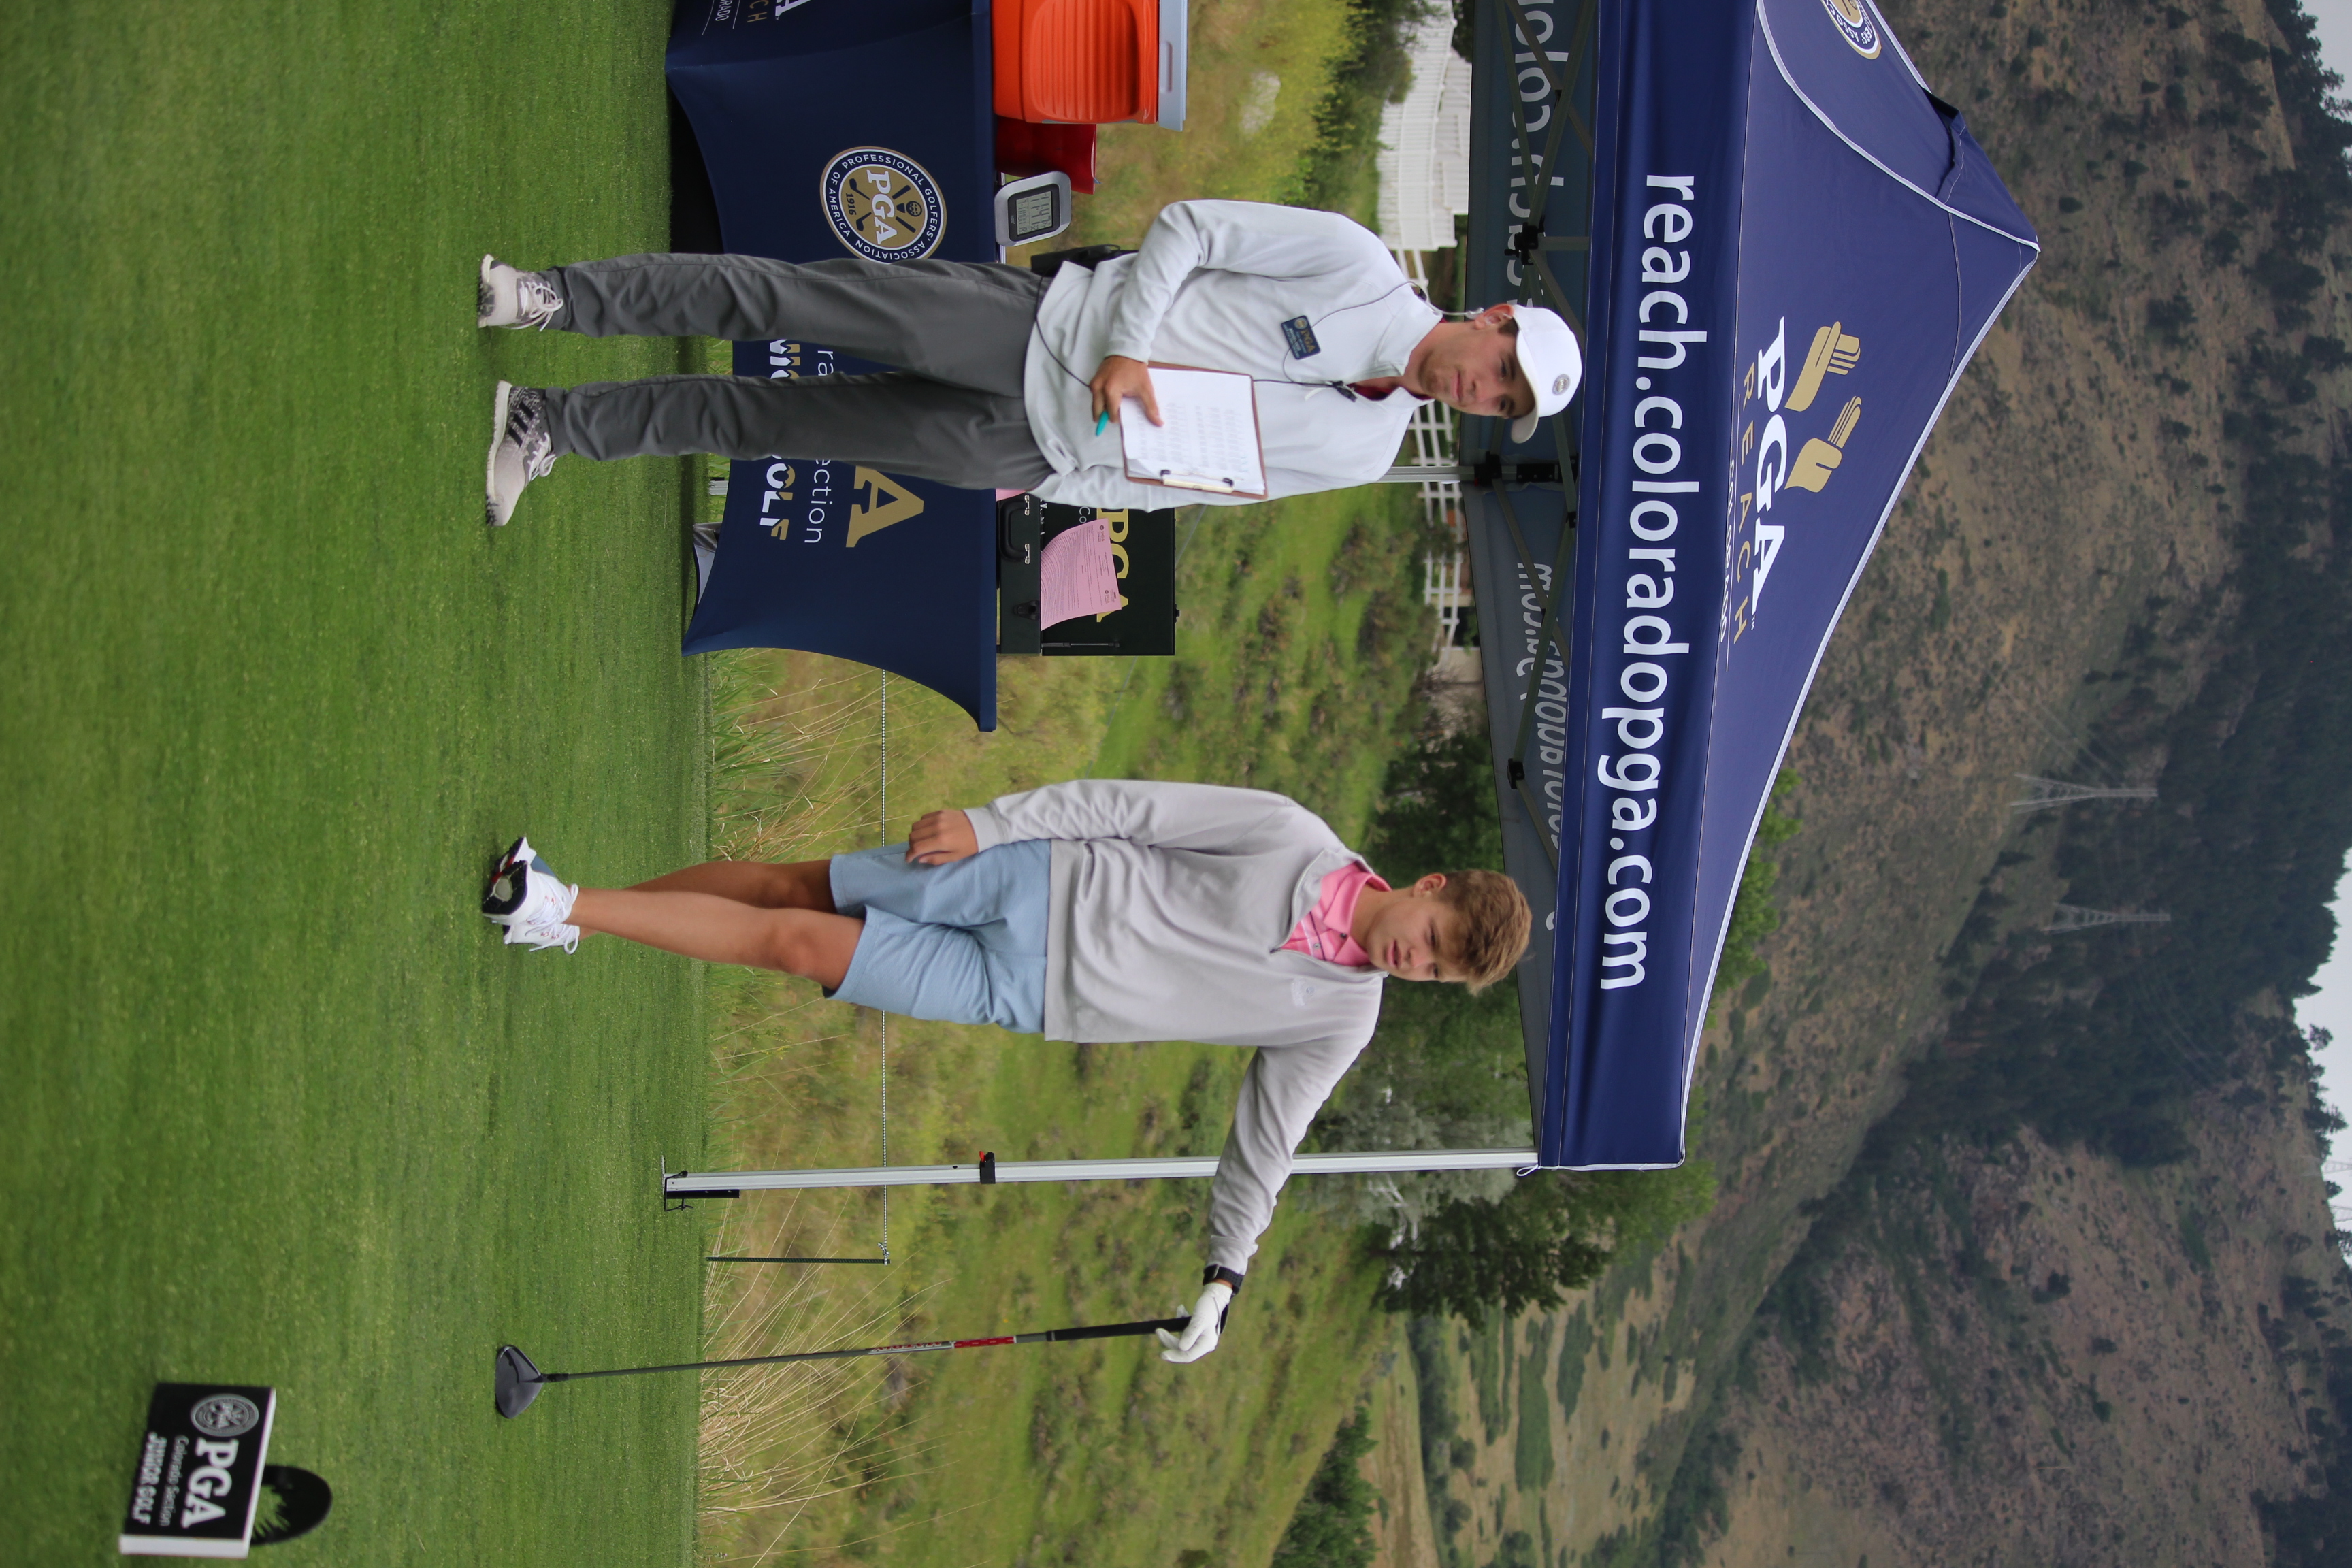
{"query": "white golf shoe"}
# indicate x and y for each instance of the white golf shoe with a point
(522, 449)
(509, 297)
(531, 901)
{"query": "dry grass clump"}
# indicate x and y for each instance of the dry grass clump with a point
(794, 773)
(778, 1439)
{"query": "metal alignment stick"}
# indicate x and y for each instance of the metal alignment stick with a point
(992, 1171)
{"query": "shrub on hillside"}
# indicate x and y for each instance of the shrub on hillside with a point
(1332, 1528)
(1551, 1233)
(1376, 70)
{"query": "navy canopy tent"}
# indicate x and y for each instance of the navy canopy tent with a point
(1780, 250)
(1794, 246)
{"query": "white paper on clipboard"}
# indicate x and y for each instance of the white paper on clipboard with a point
(1210, 441)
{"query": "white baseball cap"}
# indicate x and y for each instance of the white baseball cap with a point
(1554, 366)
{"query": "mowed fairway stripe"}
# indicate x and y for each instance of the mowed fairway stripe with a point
(275, 1106)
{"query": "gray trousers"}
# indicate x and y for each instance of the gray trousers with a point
(951, 413)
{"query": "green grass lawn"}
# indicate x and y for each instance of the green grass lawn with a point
(278, 1108)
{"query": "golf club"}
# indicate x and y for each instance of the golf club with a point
(520, 1380)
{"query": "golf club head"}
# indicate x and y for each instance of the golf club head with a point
(519, 1382)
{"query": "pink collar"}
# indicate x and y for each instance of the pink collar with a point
(1323, 931)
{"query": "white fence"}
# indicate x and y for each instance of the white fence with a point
(1431, 443)
(1425, 157)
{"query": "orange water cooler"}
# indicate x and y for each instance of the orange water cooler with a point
(1064, 66)
(1090, 62)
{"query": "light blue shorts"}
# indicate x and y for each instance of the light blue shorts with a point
(960, 943)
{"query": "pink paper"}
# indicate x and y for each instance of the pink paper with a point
(1077, 575)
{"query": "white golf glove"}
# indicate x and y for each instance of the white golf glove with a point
(1200, 1335)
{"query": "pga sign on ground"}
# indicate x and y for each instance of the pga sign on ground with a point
(199, 1473)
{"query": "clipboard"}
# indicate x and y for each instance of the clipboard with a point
(1213, 427)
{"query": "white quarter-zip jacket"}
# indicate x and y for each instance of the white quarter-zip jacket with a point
(1306, 302)
(1168, 908)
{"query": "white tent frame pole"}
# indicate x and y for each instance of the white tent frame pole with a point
(691, 1183)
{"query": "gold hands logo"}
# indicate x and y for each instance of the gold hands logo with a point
(882, 205)
(1833, 353)
(1811, 469)
(1767, 461)
(887, 501)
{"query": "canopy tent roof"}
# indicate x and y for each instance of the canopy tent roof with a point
(1792, 250)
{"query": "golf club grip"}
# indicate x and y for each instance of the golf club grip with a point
(1116, 1331)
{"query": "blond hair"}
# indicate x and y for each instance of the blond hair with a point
(1491, 923)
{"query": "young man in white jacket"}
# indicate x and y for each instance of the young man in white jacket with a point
(1007, 379)
(1099, 910)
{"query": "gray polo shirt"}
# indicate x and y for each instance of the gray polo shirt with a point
(1305, 303)
(1171, 903)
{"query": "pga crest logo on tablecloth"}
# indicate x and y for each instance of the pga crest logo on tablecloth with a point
(1852, 19)
(882, 205)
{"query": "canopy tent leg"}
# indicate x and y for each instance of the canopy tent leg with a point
(992, 1171)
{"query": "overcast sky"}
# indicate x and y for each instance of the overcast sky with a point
(2335, 19)
(2332, 1007)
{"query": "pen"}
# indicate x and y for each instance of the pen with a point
(1100, 420)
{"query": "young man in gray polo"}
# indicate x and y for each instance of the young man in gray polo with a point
(1007, 379)
(1100, 909)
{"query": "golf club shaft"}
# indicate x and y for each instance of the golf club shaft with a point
(1044, 1336)
(714, 1259)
